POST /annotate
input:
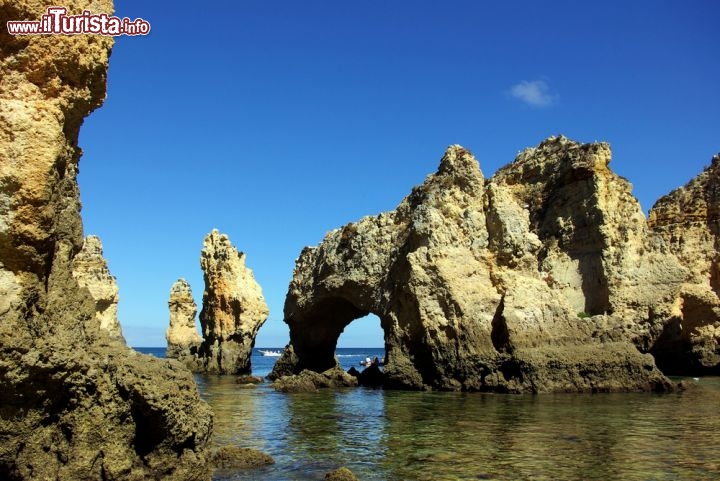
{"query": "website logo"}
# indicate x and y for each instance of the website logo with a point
(56, 21)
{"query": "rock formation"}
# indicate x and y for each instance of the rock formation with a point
(340, 474)
(310, 381)
(688, 219)
(74, 402)
(233, 307)
(234, 457)
(182, 336)
(90, 270)
(543, 278)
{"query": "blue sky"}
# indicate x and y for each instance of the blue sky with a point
(277, 121)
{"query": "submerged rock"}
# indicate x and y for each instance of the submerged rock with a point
(543, 278)
(182, 336)
(233, 307)
(90, 269)
(340, 474)
(310, 381)
(688, 220)
(76, 402)
(249, 379)
(234, 457)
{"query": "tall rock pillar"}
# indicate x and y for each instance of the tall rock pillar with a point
(233, 307)
(182, 336)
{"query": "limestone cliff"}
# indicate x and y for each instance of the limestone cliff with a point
(688, 219)
(75, 403)
(90, 270)
(233, 307)
(522, 283)
(182, 336)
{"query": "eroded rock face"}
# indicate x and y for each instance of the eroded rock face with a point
(233, 307)
(74, 402)
(688, 219)
(182, 336)
(90, 270)
(523, 283)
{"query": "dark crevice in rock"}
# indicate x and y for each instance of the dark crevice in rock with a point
(594, 284)
(677, 351)
(500, 335)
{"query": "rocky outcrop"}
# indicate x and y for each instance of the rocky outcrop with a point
(543, 278)
(233, 307)
(183, 340)
(688, 220)
(310, 381)
(234, 457)
(340, 474)
(90, 270)
(74, 402)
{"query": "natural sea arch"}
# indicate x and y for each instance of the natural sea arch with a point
(316, 338)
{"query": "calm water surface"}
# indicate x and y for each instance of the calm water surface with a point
(389, 435)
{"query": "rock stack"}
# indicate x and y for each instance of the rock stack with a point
(545, 277)
(233, 311)
(233, 307)
(182, 336)
(90, 269)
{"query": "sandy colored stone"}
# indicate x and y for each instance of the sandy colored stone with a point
(233, 307)
(688, 220)
(90, 269)
(543, 278)
(183, 339)
(76, 402)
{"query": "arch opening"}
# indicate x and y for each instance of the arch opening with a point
(363, 332)
(330, 324)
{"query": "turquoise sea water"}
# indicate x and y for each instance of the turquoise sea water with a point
(394, 435)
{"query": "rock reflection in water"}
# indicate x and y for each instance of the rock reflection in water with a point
(391, 435)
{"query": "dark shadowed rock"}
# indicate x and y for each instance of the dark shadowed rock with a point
(371, 376)
(310, 381)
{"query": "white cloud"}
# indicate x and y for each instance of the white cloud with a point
(535, 93)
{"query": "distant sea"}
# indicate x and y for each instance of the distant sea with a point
(400, 436)
(262, 365)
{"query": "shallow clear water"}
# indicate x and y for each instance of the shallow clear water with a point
(392, 435)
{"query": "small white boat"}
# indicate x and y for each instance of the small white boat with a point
(267, 352)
